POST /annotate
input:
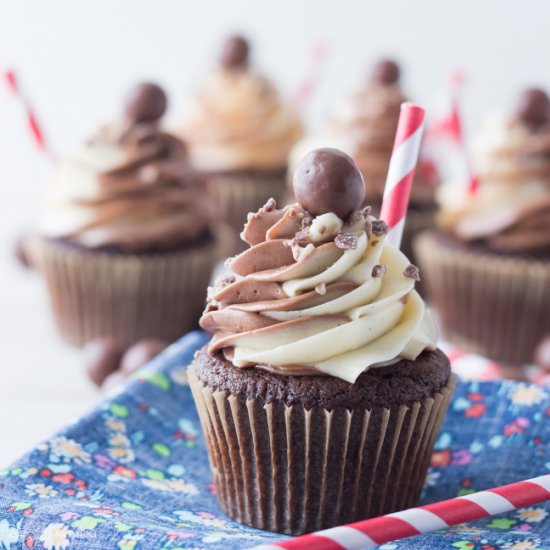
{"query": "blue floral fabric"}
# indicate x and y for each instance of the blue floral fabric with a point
(134, 473)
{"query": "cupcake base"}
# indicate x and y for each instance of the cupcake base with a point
(490, 304)
(282, 463)
(126, 296)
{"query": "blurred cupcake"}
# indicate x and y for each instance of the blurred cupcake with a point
(239, 134)
(322, 390)
(364, 127)
(126, 242)
(488, 269)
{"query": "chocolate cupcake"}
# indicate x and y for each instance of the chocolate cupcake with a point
(127, 239)
(239, 133)
(488, 268)
(322, 390)
(363, 126)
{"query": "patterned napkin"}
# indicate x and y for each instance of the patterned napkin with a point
(134, 474)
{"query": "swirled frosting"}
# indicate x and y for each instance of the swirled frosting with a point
(367, 123)
(239, 122)
(510, 211)
(130, 187)
(363, 126)
(317, 296)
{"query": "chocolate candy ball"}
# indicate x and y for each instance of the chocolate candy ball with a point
(102, 357)
(146, 102)
(542, 354)
(534, 107)
(327, 180)
(385, 72)
(235, 53)
(140, 353)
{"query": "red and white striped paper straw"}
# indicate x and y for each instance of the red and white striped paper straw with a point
(32, 121)
(415, 521)
(401, 170)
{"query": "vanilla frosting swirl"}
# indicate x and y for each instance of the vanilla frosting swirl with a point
(510, 211)
(239, 122)
(317, 296)
(130, 187)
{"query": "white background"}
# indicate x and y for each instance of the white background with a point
(75, 60)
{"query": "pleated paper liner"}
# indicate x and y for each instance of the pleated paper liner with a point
(127, 297)
(238, 193)
(495, 306)
(292, 470)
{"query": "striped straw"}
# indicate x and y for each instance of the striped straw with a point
(415, 521)
(32, 121)
(401, 170)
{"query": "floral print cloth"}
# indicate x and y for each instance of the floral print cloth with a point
(134, 473)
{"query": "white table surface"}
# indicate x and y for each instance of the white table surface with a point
(43, 385)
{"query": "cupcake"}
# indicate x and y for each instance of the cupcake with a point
(127, 241)
(488, 267)
(239, 134)
(364, 127)
(321, 391)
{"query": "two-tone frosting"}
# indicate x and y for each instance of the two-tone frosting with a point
(238, 120)
(130, 187)
(317, 292)
(510, 211)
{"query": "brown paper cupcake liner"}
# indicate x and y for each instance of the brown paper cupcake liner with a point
(496, 306)
(239, 193)
(292, 470)
(127, 297)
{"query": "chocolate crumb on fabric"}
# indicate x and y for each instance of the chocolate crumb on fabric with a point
(412, 272)
(346, 241)
(379, 270)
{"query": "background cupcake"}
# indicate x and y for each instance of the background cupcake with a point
(488, 270)
(126, 242)
(322, 391)
(364, 127)
(239, 134)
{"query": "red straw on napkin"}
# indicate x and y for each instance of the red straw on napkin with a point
(415, 521)
(401, 170)
(34, 127)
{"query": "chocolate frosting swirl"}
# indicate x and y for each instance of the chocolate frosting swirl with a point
(129, 188)
(317, 296)
(510, 212)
